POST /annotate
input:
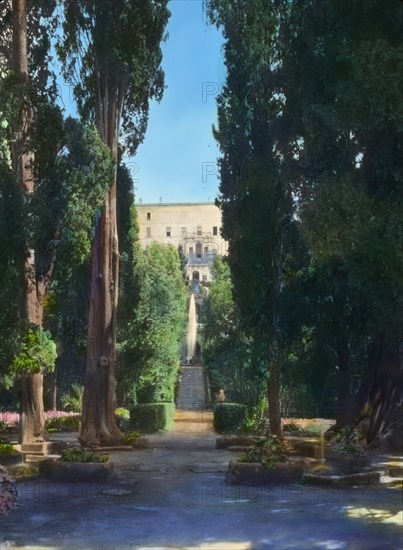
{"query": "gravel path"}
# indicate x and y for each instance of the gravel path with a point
(173, 496)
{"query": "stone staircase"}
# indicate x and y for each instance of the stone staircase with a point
(192, 390)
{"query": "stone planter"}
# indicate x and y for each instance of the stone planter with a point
(241, 473)
(235, 441)
(10, 459)
(139, 443)
(348, 464)
(342, 480)
(71, 472)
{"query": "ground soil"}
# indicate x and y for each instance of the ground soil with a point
(173, 496)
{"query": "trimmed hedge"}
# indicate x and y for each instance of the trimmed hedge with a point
(63, 423)
(229, 417)
(151, 417)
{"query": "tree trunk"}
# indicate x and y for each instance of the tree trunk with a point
(343, 415)
(380, 399)
(32, 413)
(98, 415)
(273, 395)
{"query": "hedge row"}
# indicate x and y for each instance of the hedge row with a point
(151, 417)
(229, 417)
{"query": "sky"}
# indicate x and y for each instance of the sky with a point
(177, 162)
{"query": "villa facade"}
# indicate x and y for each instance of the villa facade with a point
(196, 227)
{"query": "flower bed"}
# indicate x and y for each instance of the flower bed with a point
(8, 492)
(10, 421)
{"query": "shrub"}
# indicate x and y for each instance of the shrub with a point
(131, 436)
(63, 423)
(6, 448)
(152, 417)
(123, 419)
(73, 401)
(292, 427)
(347, 444)
(229, 417)
(78, 455)
(121, 412)
(268, 451)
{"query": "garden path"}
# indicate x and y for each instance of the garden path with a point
(173, 496)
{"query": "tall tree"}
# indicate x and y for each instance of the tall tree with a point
(36, 285)
(344, 67)
(255, 186)
(118, 46)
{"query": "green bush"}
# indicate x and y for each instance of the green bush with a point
(78, 455)
(151, 417)
(131, 436)
(63, 423)
(122, 417)
(268, 451)
(229, 417)
(6, 448)
(73, 401)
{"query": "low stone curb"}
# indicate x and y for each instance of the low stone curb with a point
(76, 472)
(343, 480)
(253, 472)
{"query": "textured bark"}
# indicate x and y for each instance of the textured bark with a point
(273, 395)
(344, 412)
(33, 420)
(98, 415)
(380, 400)
(32, 413)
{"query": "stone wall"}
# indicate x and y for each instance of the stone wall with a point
(194, 226)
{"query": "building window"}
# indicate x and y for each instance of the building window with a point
(148, 232)
(199, 229)
(198, 250)
(148, 215)
(206, 249)
(215, 230)
(204, 278)
(183, 231)
(190, 250)
(168, 231)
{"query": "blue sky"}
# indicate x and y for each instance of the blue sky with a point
(177, 160)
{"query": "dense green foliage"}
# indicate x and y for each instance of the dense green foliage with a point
(229, 417)
(123, 57)
(151, 417)
(229, 351)
(157, 326)
(37, 353)
(79, 455)
(309, 126)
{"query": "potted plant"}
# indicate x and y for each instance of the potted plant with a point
(267, 460)
(78, 465)
(348, 456)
